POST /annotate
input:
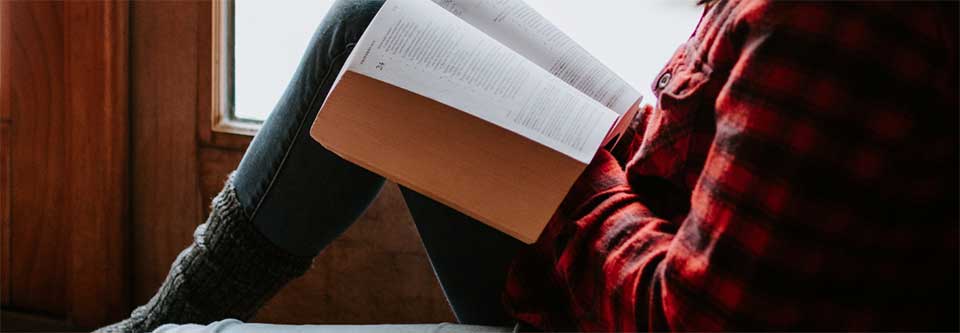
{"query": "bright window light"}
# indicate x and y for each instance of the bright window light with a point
(635, 38)
(269, 39)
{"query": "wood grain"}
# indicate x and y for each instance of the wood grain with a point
(353, 278)
(14, 321)
(68, 173)
(215, 165)
(97, 135)
(377, 272)
(212, 80)
(65, 142)
(166, 206)
(34, 60)
(179, 164)
(5, 199)
(5, 43)
(5, 256)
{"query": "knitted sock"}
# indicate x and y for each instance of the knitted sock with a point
(229, 271)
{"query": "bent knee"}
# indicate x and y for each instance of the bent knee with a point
(353, 16)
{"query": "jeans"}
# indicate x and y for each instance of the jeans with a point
(302, 196)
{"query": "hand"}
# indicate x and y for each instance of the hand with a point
(602, 174)
(645, 111)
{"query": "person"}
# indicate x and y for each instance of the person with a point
(799, 172)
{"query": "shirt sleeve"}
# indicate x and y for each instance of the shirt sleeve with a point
(791, 222)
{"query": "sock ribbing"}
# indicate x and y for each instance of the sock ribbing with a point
(229, 271)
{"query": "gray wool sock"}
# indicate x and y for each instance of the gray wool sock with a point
(229, 271)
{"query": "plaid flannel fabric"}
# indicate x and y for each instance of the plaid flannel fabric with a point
(800, 172)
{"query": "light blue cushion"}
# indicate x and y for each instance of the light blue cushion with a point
(236, 326)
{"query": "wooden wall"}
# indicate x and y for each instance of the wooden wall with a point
(65, 140)
(108, 162)
(5, 120)
(376, 273)
(36, 287)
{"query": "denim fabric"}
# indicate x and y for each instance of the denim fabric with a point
(301, 196)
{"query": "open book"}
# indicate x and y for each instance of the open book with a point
(482, 105)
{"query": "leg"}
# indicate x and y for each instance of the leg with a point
(469, 258)
(298, 194)
(287, 200)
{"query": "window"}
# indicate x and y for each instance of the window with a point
(265, 40)
(269, 39)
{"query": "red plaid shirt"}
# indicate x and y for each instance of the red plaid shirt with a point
(800, 172)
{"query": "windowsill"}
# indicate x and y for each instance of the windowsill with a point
(226, 133)
(233, 126)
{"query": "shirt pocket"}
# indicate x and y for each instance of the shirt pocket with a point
(678, 133)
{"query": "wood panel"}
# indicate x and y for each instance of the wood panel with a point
(215, 165)
(352, 277)
(179, 164)
(97, 135)
(4, 165)
(4, 40)
(5, 212)
(26, 322)
(65, 140)
(34, 59)
(166, 205)
(376, 272)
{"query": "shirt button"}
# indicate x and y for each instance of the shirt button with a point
(664, 80)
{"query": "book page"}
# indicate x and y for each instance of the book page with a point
(418, 46)
(521, 28)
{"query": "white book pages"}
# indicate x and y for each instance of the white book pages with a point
(418, 46)
(522, 29)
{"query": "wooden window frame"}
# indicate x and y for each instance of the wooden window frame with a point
(218, 128)
(180, 163)
(223, 119)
